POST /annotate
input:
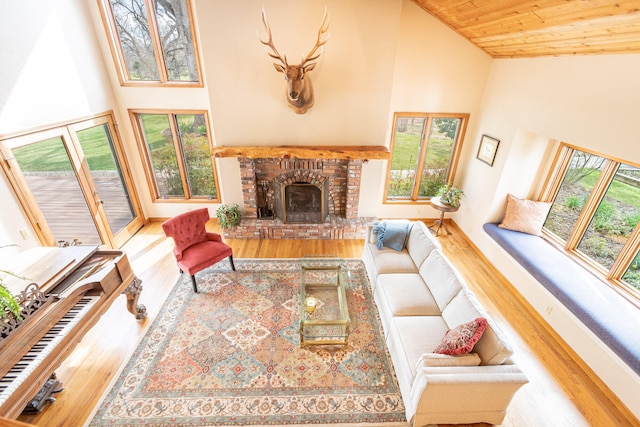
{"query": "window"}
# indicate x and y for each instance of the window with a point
(177, 151)
(595, 214)
(152, 41)
(424, 153)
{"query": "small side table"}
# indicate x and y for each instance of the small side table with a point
(443, 208)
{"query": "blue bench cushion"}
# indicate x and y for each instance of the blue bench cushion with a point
(608, 314)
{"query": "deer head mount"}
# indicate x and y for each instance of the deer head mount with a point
(299, 88)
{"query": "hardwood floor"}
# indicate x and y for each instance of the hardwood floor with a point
(561, 392)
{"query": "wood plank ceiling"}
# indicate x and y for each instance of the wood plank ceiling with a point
(532, 28)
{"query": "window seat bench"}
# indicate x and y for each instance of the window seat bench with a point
(605, 312)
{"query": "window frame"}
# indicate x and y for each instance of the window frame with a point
(134, 115)
(612, 276)
(115, 46)
(67, 132)
(415, 198)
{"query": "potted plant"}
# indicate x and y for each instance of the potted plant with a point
(450, 195)
(229, 216)
(8, 304)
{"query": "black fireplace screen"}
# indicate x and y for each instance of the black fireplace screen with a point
(302, 203)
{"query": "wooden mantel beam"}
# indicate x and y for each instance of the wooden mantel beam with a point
(348, 152)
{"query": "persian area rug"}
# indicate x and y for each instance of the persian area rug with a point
(230, 355)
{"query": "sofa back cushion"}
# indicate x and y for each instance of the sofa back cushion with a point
(388, 260)
(441, 278)
(421, 242)
(493, 347)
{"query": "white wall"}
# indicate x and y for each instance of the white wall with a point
(376, 60)
(51, 71)
(436, 70)
(352, 79)
(392, 57)
(136, 98)
(530, 105)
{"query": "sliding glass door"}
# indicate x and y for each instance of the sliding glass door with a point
(72, 184)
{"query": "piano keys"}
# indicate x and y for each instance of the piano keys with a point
(77, 284)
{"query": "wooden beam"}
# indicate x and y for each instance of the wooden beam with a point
(354, 152)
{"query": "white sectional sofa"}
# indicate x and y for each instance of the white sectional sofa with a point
(420, 296)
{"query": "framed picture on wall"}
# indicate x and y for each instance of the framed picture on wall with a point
(487, 149)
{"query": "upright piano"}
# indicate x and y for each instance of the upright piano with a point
(65, 292)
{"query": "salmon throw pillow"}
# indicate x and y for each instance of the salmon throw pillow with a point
(525, 216)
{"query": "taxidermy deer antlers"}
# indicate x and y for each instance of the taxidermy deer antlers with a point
(299, 88)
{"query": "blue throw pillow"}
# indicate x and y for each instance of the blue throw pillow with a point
(396, 234)
(392, 234)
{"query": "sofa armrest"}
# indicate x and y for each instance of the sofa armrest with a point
(369, 238)
(454, 395)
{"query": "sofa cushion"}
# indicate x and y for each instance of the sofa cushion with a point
(409, 339)
(493, 347)
(406, 295)
(441, 278)
(462, 338)
(421, 242)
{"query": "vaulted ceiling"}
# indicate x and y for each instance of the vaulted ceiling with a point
(531, 28)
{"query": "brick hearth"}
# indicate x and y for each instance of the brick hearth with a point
(332, 228)
(258, 177)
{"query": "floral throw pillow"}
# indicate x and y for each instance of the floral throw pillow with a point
(462, 338)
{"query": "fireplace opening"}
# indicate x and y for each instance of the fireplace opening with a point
(303, 203)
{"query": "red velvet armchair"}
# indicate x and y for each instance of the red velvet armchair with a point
(195, 248)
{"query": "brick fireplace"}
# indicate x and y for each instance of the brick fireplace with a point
(292, 198)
